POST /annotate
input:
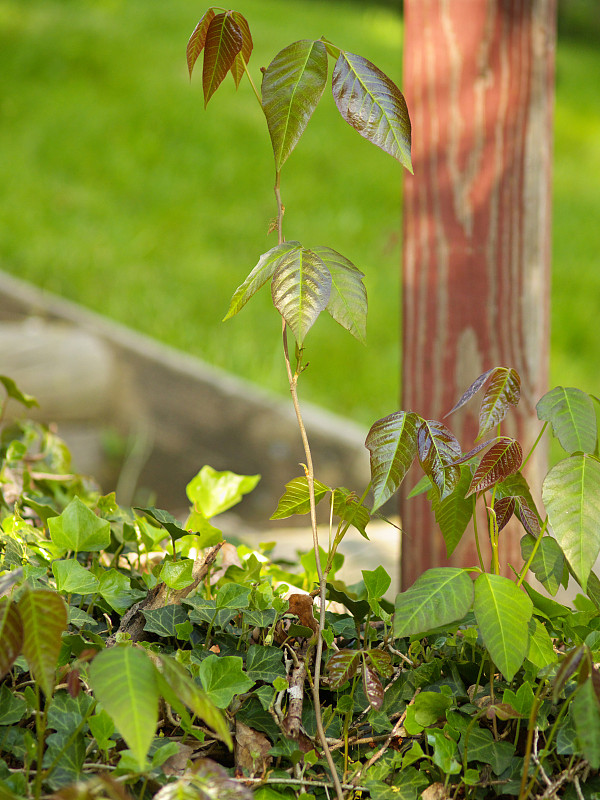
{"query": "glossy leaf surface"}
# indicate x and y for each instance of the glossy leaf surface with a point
(454, 512)
(292, 86)
(503, 612)
(504, 508)
(572, 416)
(267, 264)
(373, 105)
(197, 40)
(11, 635)
(392, 442)
(372, 686)
(501, 460)
(224, 41)
(44, 617)
(348, 299)
(571, 494)
(503, 391)
(301, 289)
(342, 667)
(516, 486)
(438, 597)
(124, 681)
(243, 57)
(437, 449)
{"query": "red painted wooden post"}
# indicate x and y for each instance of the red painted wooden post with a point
(478, 79)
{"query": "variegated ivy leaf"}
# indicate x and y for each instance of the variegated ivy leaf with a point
(502, 459)
(438, 449)
(392, 442)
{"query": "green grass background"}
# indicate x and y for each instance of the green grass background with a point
(120, 192)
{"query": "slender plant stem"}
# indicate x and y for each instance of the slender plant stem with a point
(535, 444)
(477, 545)
(249, 76)
(527, 564)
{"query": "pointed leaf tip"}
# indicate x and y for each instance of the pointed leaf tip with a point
(243, 57)
(197, 40)
(224, 40)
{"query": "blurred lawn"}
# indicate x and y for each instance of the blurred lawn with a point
(119, 191)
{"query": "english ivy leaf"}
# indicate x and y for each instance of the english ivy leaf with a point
(502, 459)
(392, 442)
(261, 273)
(11, 635)
(292, 86)
(295, 499)
(79, 529)
(431, 707)
(377, 582)
(177, 574)
(214, 492)
(586, 716)
(264, 663)
(445, 751)
(438, 596)
(115, 588)
(503, 612)
(197, 40)
(12, 708)
(233, 596)
(454, 512)
(480, 746)
(437, 449)
(548, 563)
(222, 678)
(342, 667)
(44, 617)
(373, 105)
(66, 712)
(243, 57)
(102, 728)
(124, 681)
(162, 621)
(301, 288)
(73, 578)
(372, 686)
(572, 416)
(165, 520)
(571, 495)
(503, 391)
(348, 299)
(12, 390)
(223, 42)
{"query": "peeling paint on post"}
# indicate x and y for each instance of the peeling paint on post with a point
(479, 82)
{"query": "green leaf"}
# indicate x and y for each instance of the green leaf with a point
(72, 578)
(115, 588)
(223, 42)
(439, 596)
(295, 499)
(501, 460)
(12, 708)
(124, 681)
(585, 711)
(438, 448)
(243, 57)
(548, 563)
(454, 512)
(392, 442)
(214, 492)
(79, 529)
(44, 617)
(233, 596)
(346, 506)
(377, 582)
(12, 390)
(348, 298)
(177, 574)
(480, 746)
(445, 751)
(300, 289)
(165, 520)
(571, 495)
(11, 635)
(541, 648)
(264, 663)
(503, 612)
(222, 678)
(162, 621)
(503, 391)
(431, 707)
(572, 416)
(102, 728)
(292, 86)
(373, 105)
(267, 264)
(197, 40)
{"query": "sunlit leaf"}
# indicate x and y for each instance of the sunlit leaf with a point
(73, 578)
(373, 105)
(348, 299)
(243, 57)
(11, 635)
(503, 612)
(223, 42)
(439, 596)
(213, 492)
(502, 459)
(165, 520)
(79, 529)
(572, 416)
(437, 449)
(44, 617)
(372, 686)
(296, 499)
(196, 41)
(124, 681)
(292, 86)
(548, 563)
(503, 391)
(301, 289)
(392, 442)
(454, 512)
(541, 647)
(571, 495)
(12, 390)
(342, 666)
(261, 273)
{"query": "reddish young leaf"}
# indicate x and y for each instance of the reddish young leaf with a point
(11, 635)
(527, 517)
(382, 661)
(569, 665)
(470, 392)
(392, 442)
(197, 40)
(504, 390)
(224, 41)
(504, 509)
(372, 686)
(501, 460)
(341, 667)
(438, 449)
(477, 449)
(243, 57)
